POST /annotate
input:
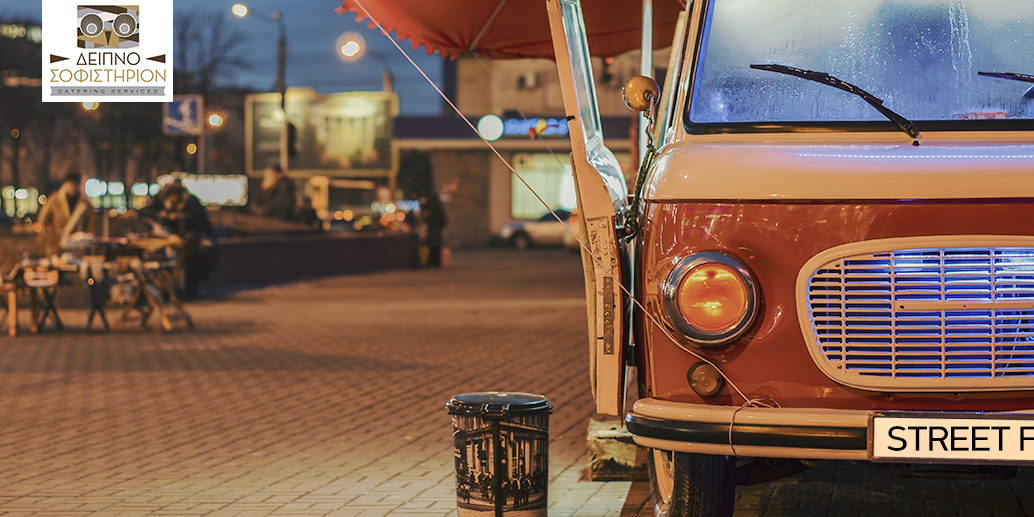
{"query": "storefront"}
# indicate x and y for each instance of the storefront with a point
(480, 192)
(339, 146)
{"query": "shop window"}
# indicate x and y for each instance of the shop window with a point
(550, 177)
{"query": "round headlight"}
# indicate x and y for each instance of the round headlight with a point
(711, 298)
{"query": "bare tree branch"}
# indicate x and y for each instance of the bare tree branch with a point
(208, 50)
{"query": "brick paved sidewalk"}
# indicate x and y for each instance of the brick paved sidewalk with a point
(323, 397)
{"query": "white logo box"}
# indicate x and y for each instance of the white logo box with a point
(107, 53)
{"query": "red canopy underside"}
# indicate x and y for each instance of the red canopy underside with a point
(519, 29)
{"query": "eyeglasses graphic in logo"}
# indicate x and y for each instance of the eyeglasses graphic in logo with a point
(108, 26)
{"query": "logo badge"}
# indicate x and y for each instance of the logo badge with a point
(109, 26)
(107, 53)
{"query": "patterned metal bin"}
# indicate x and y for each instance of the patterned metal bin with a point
(501, 452)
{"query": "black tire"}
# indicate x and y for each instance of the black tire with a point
(692, 485)
(521, 241)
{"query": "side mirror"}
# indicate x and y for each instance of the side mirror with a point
(641, 93)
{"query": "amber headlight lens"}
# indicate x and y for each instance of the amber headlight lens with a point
(711, 298)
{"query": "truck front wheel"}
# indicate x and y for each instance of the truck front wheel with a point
(692, 485)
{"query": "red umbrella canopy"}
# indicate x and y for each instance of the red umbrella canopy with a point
(504, 29)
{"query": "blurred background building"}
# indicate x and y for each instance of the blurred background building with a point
(351, 153)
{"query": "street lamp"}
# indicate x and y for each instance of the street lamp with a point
(351, 47)
(240, 11)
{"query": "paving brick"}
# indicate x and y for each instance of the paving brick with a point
(321, 397)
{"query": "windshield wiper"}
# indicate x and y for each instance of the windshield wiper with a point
(1015, 77)
(821, 77)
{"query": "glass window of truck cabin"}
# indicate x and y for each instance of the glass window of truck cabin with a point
(921, 57)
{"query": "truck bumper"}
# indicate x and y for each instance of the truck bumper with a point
(763, 432)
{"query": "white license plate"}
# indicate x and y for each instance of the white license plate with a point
(967, 438)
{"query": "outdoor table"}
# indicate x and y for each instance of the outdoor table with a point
(98, 282)
(149, 280)
(41, 283)
(153, 285)
(44, 306)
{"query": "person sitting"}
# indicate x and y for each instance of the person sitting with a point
(66, 212)
(277, 197)
(182, 213)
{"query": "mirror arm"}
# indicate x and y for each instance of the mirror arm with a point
(640, 94)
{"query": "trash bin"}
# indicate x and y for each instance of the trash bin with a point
(501, 452)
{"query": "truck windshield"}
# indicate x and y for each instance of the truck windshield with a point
(921, 57)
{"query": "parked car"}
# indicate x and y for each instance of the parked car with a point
(547, 230)
(832, 255)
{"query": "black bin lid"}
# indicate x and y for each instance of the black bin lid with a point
(498, 404)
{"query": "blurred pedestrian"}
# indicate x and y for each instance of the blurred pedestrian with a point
(277, 197)
(307, 214)
(66, 212)
(433, 214)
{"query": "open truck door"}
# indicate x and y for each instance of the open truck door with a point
(602, 196)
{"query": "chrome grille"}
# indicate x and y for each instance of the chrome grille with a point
(925, 319)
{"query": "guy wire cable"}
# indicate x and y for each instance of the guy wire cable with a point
(747, 401)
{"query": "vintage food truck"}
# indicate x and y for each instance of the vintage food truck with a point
(832, 253)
